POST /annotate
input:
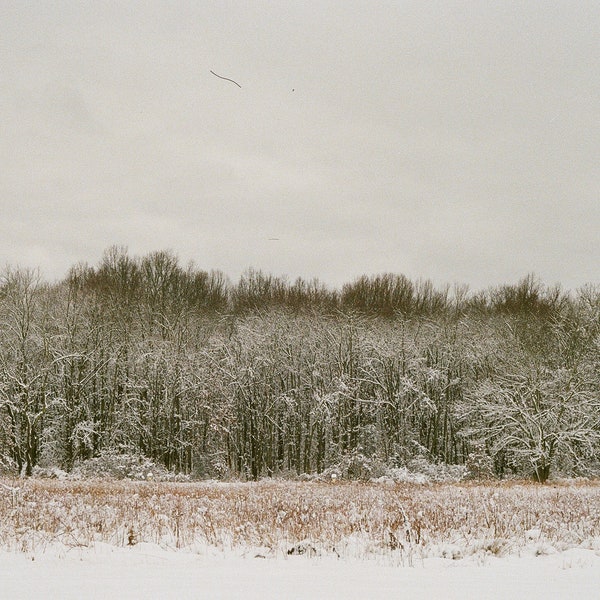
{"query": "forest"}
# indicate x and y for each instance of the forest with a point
(142, 356)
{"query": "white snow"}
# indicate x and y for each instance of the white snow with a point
(147, 571)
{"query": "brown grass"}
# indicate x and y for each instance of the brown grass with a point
(345, 518)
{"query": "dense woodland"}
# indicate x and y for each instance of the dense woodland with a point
(143, 356)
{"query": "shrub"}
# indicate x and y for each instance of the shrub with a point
(8, 467)
(479, 465)
(124, 466)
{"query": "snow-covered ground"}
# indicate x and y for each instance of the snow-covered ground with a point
(147, 571)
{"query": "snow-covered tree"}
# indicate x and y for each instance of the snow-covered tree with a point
(539, 406)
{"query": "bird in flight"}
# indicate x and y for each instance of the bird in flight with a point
(226, 79)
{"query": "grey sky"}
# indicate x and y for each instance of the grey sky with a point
(457, 141)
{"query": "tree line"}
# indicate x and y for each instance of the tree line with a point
(141, 355)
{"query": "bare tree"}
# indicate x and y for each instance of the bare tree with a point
(539, 409)
(25, 363)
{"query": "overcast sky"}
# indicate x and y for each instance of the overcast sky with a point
(456, 141)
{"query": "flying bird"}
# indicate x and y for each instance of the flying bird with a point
(226, 79)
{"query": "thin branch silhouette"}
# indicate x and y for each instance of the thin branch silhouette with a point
(226, 79)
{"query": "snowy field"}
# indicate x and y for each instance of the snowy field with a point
(147, 571)
(61, 539)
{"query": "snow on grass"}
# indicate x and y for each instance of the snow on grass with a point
(298, 540)
(344, 519)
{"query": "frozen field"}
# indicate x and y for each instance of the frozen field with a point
(274, 539)
(147, 571)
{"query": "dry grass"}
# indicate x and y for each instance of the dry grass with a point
(350, 519)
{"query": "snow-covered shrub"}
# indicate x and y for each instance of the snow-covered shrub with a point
(479, 465)
(403, 475)
(219, 469)
(355, 466)
(49, 473)
(124, 466)
(8, 467)
(436, 472)
(588, 469)
(207, 467)
(359, 466)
